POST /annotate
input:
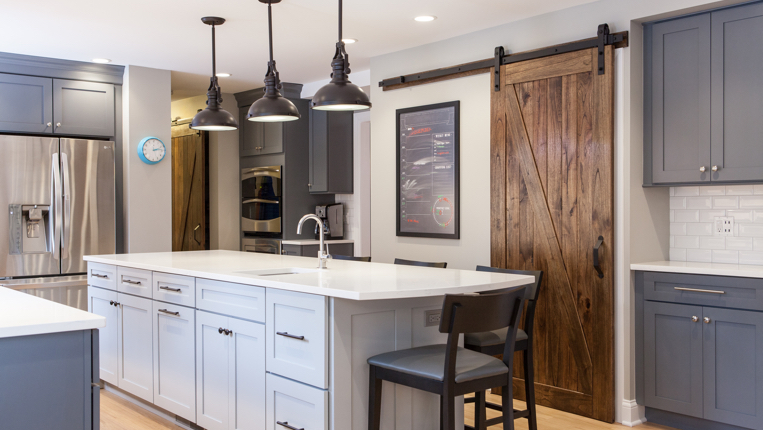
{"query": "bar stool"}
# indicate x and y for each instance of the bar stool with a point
(491, 343)
(349, 258)
(448, 370)
(420, 263)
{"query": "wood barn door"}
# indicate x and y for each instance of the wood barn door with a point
(552, 197)
(190, 186)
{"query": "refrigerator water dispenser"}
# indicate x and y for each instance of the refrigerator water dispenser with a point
(29, 229)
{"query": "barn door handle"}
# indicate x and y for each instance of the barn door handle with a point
(596, 262)
(194, 234)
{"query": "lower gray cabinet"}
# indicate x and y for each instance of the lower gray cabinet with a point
(26, 104)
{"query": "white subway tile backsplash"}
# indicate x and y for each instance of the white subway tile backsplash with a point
(698, 203)
(757, 216)
(711, 242)
(678, 228)
(687, 191)
(672, 191)
(739, 190)
(725, 202)
(751, 257)
(678, 202)
(699, 229)
(699, 255)
(739, 243)
(751, 202)
(740, 215)
(687, 242)
(672, 215)
(683, 215)
(709, 215)
(677, 254)
(725, 256)
(757, 189)
(712, 191)
(750, 230)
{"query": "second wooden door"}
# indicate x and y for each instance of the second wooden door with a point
(190, 199)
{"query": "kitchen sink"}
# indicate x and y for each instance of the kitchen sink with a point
(280, 271)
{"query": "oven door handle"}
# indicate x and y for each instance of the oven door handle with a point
(275, 202)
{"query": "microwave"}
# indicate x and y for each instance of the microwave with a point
(261, 201)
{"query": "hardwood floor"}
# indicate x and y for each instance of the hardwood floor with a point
(119, 414)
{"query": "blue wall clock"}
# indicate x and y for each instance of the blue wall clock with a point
(151, 150)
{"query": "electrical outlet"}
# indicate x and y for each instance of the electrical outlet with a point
(723, 226)
(432, 318)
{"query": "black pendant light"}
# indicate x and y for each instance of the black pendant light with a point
(340, 94)
(214, 118)
(272, 107)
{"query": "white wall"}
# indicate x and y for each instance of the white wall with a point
(147, 189)
(224, 210)
(640, 214)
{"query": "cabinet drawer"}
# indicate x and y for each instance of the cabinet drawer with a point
(134, 281)
(297, 336)
(180, 290)
(102, 275)
(295, 405)
(236, 300)
(720, 291)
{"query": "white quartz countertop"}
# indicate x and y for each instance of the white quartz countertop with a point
(343, 279)
(24, 315)
(739, 270)
(315, 242)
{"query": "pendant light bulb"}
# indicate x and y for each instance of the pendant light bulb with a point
(340, 94)
(272, 107)
(214, 117)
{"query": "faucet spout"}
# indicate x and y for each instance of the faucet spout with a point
(323, 254)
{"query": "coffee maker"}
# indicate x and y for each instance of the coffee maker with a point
(333, 221)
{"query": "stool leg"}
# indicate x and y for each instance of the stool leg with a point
(374, 400)
(447, 412)
(507, 404)
(480, 415)
(532, 421)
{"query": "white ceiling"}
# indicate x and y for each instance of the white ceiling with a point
(168, 34)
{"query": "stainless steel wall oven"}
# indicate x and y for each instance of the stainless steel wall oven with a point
(262, 202)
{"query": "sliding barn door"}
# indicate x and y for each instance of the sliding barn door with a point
(190, 198)
(552, 198)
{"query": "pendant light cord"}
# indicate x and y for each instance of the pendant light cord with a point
(270, 29)
(340, 21)
(214, 63)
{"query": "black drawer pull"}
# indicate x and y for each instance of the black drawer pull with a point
(284, 334)
(127, 281)
(100, 276)
(177, 314)
(177, 290)
(697, 290)
(286, 424)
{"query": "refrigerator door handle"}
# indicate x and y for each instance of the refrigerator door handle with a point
(67, 191)
(55, 200)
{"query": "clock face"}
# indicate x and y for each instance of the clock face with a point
(152, 150)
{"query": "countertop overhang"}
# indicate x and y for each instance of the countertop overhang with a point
(343, 279)
(717, 269)
(22, 314)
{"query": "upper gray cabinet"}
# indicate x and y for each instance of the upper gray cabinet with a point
(704, 97)
(83, 108)
(737, 98)
(260, 138)
(331, 152)
(26, 104)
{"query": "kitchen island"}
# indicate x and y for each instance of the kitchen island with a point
(248, 341)
(48, 362)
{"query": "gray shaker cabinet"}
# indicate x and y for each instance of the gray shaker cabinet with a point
(260, 138)
(83, 108)
(331, 152)
(737, 93)
(680, 100)
(26, 104)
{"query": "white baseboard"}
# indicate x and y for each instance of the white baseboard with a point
(632, 413)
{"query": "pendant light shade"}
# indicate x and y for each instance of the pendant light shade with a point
(340, 94)
(272, 107)
(214, 118)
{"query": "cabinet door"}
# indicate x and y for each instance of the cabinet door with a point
(259, 138)
(272, 141)
(331, 152)
(26, 104)
(136, 375)
(737, 92)
(102, 302)
(295, 405)
(174, 359)
(673, 358)
(680, 107)
(212, 374)
(733, 367)
(246, 385)
(83, 108)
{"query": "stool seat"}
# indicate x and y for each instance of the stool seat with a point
(429, 362)
(490, 338)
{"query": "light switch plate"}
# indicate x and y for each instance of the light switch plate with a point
(723, 226)
(432, 317)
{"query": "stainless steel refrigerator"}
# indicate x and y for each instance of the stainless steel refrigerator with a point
(56, 205)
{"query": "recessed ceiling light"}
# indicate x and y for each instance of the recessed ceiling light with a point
(349, 41)
(101, 60)
(425, 18)
(223, 75)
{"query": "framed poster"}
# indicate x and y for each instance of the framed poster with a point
(428, 171)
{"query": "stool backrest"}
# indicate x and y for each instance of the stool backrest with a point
(531, 293)
(347, 257)
(420, 263)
